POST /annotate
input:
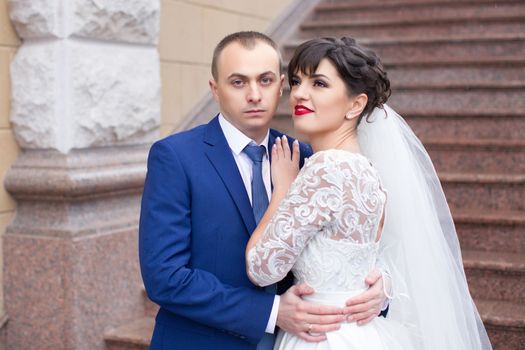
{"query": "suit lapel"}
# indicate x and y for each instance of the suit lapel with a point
(221, 157)
(271, 141)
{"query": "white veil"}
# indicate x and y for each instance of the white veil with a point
(419, 242)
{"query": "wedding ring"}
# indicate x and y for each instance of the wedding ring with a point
(309, 327)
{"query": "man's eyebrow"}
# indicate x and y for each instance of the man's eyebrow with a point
(268, 73)
(237, 75)
(244, 77)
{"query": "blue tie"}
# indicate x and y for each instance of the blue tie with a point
(259, 205)
(259, 195)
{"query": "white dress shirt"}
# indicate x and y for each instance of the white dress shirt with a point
(237, 142)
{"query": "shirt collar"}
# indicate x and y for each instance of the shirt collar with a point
(236, 139)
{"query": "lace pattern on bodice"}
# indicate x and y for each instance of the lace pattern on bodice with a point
(326, 226)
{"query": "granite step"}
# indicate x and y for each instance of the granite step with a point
(483, 63)
(436, 83)
(452, 98)
(432, 48)
(410, 13)
(150, 308)
(455, 155)
(477, 155)
(504, 60)
(456, 101)
(364, 27)
(505, 323)
(468, 123)
(484, 191)
(134, 335)
(441, 48)
(457, 77)
(435, 123)
(495, 275)
(377, 30)
(483, 74)
(490, 230)
(392, 4)
(395, 3)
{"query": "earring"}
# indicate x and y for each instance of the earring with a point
(281, 92)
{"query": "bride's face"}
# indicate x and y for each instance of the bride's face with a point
(319, 100)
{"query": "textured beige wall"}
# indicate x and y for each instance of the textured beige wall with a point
(8, 147)
(190, 29)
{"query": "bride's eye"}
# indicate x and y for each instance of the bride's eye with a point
(320, 83)
(295, 81)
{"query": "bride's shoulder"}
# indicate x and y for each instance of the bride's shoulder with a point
(339, 163)
(336, 158)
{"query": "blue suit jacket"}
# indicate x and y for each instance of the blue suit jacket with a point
(195, 222)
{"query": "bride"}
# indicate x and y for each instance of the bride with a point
(369, 194)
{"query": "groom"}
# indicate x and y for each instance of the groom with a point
(197, 216)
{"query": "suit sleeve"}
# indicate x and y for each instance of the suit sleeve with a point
(164, 250)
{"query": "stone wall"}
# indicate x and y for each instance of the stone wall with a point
(9, 150)
(190, 29)
(79, 61)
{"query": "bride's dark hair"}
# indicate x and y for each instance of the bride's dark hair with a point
(359, 67)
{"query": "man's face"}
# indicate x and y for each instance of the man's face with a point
(248, 87)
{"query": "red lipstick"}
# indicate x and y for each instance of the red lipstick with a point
(302, 110)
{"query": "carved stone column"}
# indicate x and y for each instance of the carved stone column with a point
(85, 107)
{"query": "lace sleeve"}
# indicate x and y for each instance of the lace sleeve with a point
(310, 205)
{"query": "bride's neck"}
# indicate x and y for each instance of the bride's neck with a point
(345, 141)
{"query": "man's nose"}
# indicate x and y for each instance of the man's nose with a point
(254, 94)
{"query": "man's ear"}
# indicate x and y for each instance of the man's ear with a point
(357, 105)
(213, 87)
(282, 85)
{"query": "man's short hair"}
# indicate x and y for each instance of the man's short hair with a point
(248, 40)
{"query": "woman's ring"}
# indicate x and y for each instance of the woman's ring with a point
(309, 327)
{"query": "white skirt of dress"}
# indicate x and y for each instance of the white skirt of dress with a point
(379, 334)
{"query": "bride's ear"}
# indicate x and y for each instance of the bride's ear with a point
(357, 105)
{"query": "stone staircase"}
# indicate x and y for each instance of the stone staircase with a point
(134, 334)
(458, 73)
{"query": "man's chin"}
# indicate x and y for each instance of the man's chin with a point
(259, 119)
(257, 115)
(259, 124)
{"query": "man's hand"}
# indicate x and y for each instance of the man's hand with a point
(364, 307)
(307, 320)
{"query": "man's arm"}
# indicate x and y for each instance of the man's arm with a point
(164, 248)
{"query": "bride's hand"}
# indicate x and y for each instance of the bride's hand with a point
(285, 164)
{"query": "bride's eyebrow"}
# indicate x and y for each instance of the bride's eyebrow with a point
(314, 76)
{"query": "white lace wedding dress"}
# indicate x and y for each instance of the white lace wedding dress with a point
(325, 231)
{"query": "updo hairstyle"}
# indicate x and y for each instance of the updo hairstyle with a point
(359, 67)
